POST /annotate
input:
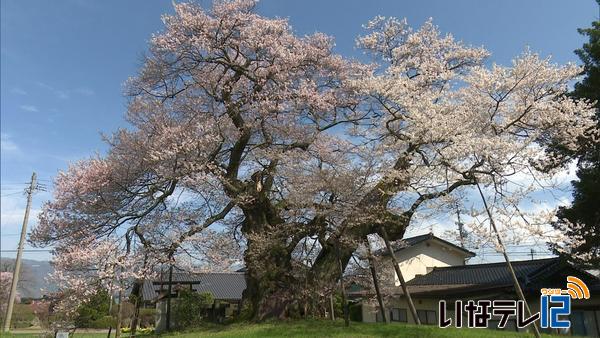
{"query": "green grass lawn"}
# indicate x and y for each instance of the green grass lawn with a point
(318, 329)
(337, 329)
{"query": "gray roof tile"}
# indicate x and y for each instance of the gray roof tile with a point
(225, 285)
(481, 274)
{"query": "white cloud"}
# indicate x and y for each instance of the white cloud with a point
(29, 108)
(44, 85)
(560, 178)
(61, 94)
(12, 211)
(66, 93)
(568, 174)
(7, 145)
(18, 91)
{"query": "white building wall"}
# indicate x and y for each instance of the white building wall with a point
(420, 258)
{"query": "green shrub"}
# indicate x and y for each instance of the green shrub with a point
(93, 310)
(147, 317)
(191, 307)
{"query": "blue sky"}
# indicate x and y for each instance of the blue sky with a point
(63, 64)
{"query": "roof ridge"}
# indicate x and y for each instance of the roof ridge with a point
(408, 242)
(429, 234)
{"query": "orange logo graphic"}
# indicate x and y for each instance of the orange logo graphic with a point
(577, 288)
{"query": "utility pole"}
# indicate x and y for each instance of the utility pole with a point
(461, 230)
(532, 252)
(15, 278)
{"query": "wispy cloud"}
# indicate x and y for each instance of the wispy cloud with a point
(61, 94)
(84, 91)
(7, 145)
(12, 210)
(44, 85)
(29, 108)
(66, 93)
(18, 91)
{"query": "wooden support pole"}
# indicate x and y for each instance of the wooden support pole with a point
(373, 269)
(169, 288)
(409, 300)
(520, 294)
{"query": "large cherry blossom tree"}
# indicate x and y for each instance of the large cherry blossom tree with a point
(238, 123)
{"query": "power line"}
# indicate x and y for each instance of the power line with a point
(27, 250)
(13, 193)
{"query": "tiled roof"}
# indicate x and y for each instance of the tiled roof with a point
(183, 277)
(481, 278)
(482, 274)
(225, 286)
(411, 241)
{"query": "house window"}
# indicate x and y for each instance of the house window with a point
(398, 315)
(427, 317)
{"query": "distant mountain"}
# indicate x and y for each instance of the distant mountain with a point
(32, 283)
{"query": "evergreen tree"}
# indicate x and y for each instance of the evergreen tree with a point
(93, 310)
(585, 208)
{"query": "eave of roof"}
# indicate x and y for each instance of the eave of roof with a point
(412, 241)
(434, 291)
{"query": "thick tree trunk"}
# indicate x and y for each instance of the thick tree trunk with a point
(325, 267)
(345, 308)
(271, 287)
(136, 313)
(269, 282)
(268, 291)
